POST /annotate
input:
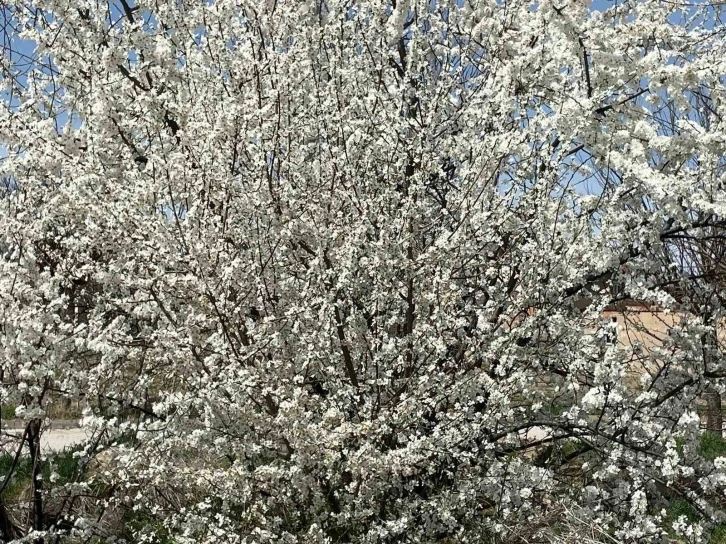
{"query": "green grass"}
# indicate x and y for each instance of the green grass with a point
(680, 507)
(711, 445)
(20, 478)
(7, 411)
(65, 464)
(139, 522)
(718, 536)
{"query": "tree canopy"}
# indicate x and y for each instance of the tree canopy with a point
(315, 270)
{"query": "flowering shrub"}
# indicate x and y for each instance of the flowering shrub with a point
(327, 271)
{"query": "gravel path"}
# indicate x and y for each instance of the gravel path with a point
(59, 439)
(54, 440)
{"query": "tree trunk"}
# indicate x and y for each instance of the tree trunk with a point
(714, 414)
(8, 531)
(34, 445)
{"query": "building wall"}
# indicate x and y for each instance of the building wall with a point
(648, 331)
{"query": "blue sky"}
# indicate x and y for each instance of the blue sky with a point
(21, 52)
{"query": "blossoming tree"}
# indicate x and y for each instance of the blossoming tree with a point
(334, 271)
